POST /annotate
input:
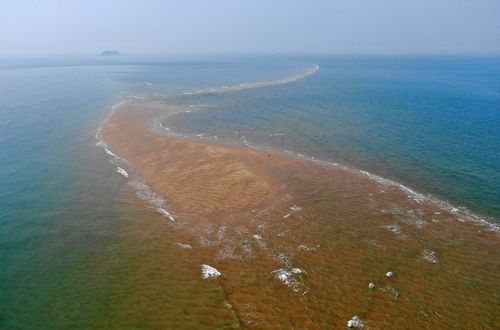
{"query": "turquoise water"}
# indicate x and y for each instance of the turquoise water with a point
(429, 123)
(47, 115)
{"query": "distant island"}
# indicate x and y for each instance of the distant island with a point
(111, 53)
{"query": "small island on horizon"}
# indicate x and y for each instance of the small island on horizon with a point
(111, 53)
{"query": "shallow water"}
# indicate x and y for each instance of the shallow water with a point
(306, 255)
(430, 123)
(58, 191)
(78, 249)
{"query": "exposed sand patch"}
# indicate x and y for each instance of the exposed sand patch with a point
(195, 177)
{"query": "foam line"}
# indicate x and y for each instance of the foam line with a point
(110, 153)
(165, 213)
(122, 171)
(463, 214)
(256, 85)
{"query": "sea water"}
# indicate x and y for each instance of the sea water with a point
(58, 191)
(430, 123)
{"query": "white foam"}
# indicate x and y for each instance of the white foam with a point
(209, 271)
(204, 241)
(430, 256)
(165, 213)
(305, 247)
(396, 229)
(285, 277)
(185, 246)
(122, 171)
(141, 188)
(416, 222)
(144, 192)
(282, 258)
(221, 232)
(419, 198)
(162, 211)
(240, 251)
(283, 233)
(282, 275)
(101, 143)
(259, 240)
(116, 105)
(355, 322)
(110, 153)
(245, 142)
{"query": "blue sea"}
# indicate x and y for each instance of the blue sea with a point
(429, 123)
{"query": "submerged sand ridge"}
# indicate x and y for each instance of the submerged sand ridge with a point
(297, 243)
(195, 177)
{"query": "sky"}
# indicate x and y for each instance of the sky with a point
(419, 27)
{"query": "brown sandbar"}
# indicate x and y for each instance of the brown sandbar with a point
(350, 232)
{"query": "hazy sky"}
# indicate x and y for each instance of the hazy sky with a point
(335, 26)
